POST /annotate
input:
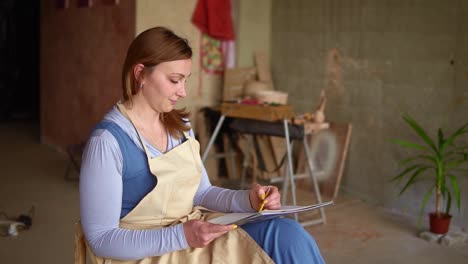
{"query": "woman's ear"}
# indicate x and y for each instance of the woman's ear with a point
(138, 72)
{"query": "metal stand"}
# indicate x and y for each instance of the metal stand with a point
(289, 178)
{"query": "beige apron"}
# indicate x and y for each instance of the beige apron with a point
(171, 202)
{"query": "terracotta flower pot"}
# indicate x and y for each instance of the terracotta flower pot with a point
(439, 225)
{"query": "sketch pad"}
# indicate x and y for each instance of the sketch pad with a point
(243, 218)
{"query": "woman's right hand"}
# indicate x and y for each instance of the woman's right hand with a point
(200, 233)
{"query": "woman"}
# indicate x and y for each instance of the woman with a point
(142, 178)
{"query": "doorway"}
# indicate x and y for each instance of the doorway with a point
(19, 60)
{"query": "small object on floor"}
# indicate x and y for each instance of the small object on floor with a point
(452, 238)
(431, 237)
(10, 226)
(13, 229)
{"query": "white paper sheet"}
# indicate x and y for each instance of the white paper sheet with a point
(243, 218)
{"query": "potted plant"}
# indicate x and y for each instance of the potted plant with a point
(438, 161)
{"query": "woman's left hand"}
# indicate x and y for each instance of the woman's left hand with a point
(268, 194)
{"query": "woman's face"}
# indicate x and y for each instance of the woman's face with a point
(164, 84)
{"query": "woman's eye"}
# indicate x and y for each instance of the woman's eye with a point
(174, 81)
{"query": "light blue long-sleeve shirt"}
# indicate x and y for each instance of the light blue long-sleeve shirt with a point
(101, 199)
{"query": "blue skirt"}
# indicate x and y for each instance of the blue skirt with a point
(285, 241)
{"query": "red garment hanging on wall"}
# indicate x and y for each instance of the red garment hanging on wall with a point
(213, 17)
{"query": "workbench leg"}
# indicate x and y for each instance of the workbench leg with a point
(284, 190)
(213, 137)
(290, 164)
(286, 180)
(314, 179)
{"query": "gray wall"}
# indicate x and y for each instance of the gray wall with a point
(376, 60)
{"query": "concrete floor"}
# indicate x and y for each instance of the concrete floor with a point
(33, 175)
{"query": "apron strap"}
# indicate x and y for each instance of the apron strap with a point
(122, 109)
(125, 113)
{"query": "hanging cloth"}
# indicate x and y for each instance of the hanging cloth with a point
(211, 55)
(213, 17)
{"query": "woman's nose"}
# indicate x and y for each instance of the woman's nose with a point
(181, 91)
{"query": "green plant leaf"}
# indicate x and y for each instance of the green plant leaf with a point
(423, 178)
(408, 144)
(413, 178)
(448, 204)
(425, 200)
(442, 186)
(404, 172)
(420, 131)
(462, 130)
(440, 136)
(443, 190)
(456, 190)
(418, 157)
(440, 175)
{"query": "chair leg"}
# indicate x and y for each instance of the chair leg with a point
(80, 246)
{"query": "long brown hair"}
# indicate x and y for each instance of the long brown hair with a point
(150, 48)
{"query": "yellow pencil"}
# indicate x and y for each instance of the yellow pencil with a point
(264, 201)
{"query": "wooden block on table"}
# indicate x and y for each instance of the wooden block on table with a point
(263, 66)
(234, 81)
(258, 112)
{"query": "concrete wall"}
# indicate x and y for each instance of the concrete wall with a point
(459, 104)
(253, 29)
(81, 56)
(376, 60)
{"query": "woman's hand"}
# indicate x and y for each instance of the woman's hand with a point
(268, 194)
(200, 233)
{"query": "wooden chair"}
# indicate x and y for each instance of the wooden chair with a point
(80, 245)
